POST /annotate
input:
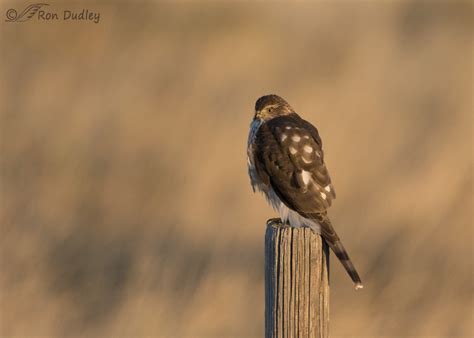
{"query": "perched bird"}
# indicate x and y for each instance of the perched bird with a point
(286, 163)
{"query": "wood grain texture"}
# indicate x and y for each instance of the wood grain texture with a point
(296, 282)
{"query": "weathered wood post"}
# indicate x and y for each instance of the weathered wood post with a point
(296, 282)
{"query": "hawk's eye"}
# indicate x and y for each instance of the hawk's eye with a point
(270, 109)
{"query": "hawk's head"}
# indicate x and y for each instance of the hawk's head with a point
(270, 106)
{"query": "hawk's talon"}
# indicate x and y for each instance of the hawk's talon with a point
(276, 222)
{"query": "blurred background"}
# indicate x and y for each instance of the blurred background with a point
(126, 209)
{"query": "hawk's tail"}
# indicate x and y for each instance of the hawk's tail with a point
(329, 234)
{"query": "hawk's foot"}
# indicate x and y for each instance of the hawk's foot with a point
(276, 222)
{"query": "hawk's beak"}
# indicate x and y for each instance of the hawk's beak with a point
(258, 114)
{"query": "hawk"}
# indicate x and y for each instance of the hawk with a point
(286, 163)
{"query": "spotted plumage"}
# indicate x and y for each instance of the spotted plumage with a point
(286, 163)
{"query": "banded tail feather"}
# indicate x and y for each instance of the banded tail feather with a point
(341, 253)
(329, 234)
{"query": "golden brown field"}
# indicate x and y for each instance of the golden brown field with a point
(126, 210)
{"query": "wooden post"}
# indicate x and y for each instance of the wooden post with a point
(296, 282)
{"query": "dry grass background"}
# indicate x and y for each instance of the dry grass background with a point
(126, 206)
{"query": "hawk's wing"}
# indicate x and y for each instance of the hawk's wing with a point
(289, 157)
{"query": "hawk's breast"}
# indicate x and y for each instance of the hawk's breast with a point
(254, 179)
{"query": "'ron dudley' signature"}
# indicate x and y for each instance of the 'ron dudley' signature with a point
(37, 11)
